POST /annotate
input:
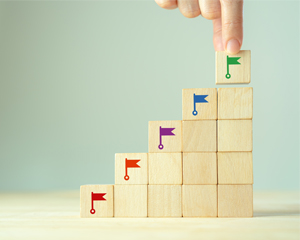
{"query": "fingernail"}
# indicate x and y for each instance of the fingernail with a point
(233, 46)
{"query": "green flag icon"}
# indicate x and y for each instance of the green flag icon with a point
(231, 61)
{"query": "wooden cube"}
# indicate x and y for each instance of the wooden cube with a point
(165, 168)
(131, 168)
(235, 103)
(235, 168)
(164, 201)
(199, 168)
(96, 201)
(199, 103)
(233, 68)
(235, 135)
(235, 201)
(130, 200)
(165, 136)
(199, 136)
(199, 201)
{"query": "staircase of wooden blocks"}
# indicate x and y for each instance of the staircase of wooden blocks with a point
(198, 167)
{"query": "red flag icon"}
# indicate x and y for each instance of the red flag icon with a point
(96, 197)
(130, 164)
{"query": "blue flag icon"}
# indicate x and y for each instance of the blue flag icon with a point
(198, 99)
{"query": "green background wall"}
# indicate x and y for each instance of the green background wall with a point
(79, 81)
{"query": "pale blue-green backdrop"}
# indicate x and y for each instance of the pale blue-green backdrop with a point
(79, 81)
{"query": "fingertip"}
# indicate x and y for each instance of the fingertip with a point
(190, 14)
(189, 8)
(233, 46)
(167, 4)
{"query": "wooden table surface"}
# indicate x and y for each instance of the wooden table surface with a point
(55, 215)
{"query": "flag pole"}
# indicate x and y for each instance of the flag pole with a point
(126, 177)
(228, 74)
(160, 146)
(195, 111)
(92, 211)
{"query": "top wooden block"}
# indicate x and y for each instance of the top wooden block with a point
(233, 68)
(165, 136)
(199, 104)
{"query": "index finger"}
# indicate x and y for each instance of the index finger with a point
(232, 25)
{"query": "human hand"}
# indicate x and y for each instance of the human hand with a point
(226, 15)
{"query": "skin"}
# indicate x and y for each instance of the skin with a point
(226, 15)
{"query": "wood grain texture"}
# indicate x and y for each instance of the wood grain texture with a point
(130, 200)
(164, 201)
(102, 208)
(235, 103)
(235, 168)
(55, 215)
(165, 168)
(239, 73)
(207, 110)
(235, 135)
(235, 200)
(199, 136)
(136, 175)
(199, 200)
(170, 143)
(199, 168)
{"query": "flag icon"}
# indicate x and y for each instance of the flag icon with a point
(96, 197)
(198, 99)
(130, 164)
(164, 132)
(231, 61)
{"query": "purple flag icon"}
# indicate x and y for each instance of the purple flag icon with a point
(164, 132)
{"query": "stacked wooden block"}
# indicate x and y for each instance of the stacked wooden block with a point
(198, 167)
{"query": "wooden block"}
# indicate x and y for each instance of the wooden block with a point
(131, 168)
(130, 200)
(164, 201)
(199, 103)
(235, 135)
(96, 201)
(199, 168)
(235, 168)
(199, 200)
(233, 68)
(165, 168)
(199, 136)
(235, 201)
(165, 136)
(235, 103)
